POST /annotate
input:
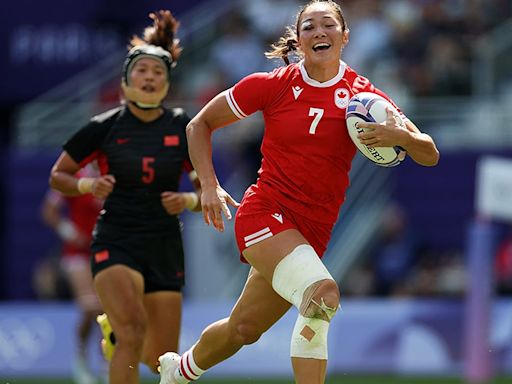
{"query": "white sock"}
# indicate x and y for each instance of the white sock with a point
(188, 370)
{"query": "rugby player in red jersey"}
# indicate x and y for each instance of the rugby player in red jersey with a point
(285, 220)
(73, 219)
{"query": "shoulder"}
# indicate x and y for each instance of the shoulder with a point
(177, 115)
(358, 82)
(108, 116)
(97, 128)
(284, 74)
(280, 74)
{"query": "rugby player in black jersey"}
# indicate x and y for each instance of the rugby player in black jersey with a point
(137, 253)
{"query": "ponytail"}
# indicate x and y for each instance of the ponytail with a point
(161, 34)
(285, 45)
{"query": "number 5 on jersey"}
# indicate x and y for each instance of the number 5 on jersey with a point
(148, 172)
(317, 113)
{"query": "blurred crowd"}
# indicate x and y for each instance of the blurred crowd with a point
(410, 48)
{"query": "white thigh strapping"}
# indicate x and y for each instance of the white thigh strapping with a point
(296, 272)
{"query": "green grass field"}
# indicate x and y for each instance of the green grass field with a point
(333, 380)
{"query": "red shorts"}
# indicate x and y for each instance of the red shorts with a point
(260, 217)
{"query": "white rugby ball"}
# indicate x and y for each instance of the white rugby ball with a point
(370, 107)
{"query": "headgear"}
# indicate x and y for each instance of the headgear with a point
(142, 99)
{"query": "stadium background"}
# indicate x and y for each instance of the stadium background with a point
(412, 250)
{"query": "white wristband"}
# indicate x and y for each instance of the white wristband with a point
(66, 230)
(84, 184)
(191, 200)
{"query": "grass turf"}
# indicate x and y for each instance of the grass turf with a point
(332, 380)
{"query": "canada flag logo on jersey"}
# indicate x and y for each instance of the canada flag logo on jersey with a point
(341, 97)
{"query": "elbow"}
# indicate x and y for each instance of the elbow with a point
(53, 180)
(433, 160)
(198, 127)
(190, 129)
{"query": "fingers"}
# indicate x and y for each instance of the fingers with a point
(212, 212)
(218, 223)
(232, 201)
(103, 186)
(109, 178)
(225, 209)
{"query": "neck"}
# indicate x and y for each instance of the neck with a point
(322, 72)
(145, 115)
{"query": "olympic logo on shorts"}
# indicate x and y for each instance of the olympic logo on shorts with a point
(24, 341)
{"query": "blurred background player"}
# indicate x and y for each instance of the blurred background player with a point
(138, 261)
(73, 219)
(285, 220)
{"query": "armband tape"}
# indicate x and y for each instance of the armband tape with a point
(191, 200)
(85, 184)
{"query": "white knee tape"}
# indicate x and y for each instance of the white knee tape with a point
(296, 272)
(309, 338)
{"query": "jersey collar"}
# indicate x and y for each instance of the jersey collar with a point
(325, 84)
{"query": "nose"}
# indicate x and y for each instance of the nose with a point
(150, 76)
(320, 32)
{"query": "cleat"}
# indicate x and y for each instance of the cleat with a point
(169, 362)
(108, 343)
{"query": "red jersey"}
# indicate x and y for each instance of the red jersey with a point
(307, 152)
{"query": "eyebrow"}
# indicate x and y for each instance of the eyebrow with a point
(323, 17)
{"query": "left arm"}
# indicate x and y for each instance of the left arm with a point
(419, 146)
(176, 202)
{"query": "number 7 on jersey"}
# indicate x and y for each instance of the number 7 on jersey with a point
(317, 113)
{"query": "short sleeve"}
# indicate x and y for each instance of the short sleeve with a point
(362, 84)
(84, 145)
(183, 119)
(251, 94)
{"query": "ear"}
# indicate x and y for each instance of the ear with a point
(346, 37)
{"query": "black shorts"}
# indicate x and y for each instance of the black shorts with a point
(159, 258)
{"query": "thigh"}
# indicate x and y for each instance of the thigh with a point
(265, 255)
(163, 310)
(121, 291)
(259, 306)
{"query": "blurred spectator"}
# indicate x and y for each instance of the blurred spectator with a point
(366, 22)
(503, 266)
(396, 252)
(73, 219)
(238, 51)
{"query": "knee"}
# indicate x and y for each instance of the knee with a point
(324, 300)
(131, 333)
(247, 333)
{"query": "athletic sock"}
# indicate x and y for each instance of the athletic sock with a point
(188, 369)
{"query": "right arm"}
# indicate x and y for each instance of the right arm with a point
(63, 179)
(214, 199)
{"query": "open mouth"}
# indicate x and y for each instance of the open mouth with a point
(148, 88)
(321, 47)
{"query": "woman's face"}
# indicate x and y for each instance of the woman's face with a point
(321, 35)
(148, 75)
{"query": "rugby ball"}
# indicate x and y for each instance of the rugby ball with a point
(370, 107)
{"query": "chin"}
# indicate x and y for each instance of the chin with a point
(323, 59)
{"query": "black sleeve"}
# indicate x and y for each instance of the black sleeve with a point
(184, 119)
(84, 145)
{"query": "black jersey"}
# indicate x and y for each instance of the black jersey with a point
(145, 158)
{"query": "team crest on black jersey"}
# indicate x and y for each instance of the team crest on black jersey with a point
(341, 97)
